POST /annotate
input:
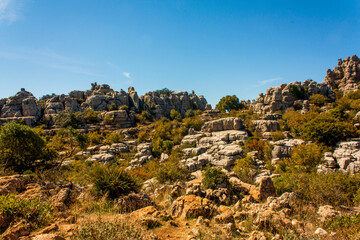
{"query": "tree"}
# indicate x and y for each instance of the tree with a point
(22, 148)
(229, 103)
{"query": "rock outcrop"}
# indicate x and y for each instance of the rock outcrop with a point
(346, 158)
(21, 106)
(296, 95)
(99, 98)
(345, 76)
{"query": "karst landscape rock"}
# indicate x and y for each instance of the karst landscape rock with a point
(165, 165)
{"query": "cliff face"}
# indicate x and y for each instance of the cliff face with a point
(100, 98)
(346, 76)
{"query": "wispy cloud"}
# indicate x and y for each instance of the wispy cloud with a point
(264, 82)
(9, 11)
(51, 59)
(127, 75)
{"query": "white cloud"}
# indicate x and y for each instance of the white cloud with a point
(127, 74)
(263, 82)
(8, 11)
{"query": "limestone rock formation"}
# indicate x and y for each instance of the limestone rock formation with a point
(345, 76)
(294, 94)
(22, 106)
(346, 158)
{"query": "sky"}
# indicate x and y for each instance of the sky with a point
(214, 47)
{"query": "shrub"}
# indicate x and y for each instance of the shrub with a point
(276, 136)
(143, 136)
(92, 116)
(245, 169)
(21, 146)
(33, 211)
(116, 230)
(327, 129)
(170, 172)
(318, 100)
(144, 117)
(214, 177)
(66, 119)
(69, 139)
(164, 91)
(175, 115)
(228, 103)
(113, 181)
(113, 107)
(195, 123)
(333, 188)
(297, 92)
(306, 158)
(94, 138)
(114, 137)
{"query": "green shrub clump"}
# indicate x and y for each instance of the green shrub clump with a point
(321, 189)
(22, 148)
(228, 103)
(113, 181)
(33, 211)
(214, 177)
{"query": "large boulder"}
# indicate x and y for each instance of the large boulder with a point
(230, 123)
(192, 206)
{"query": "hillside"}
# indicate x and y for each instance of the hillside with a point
(105, 164)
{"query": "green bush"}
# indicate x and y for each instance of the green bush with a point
(33, 211)
(114, 137)
(164, 91)
(113, 107)
(22, 148)
(245, 169)
(92, 116)
(213, 178)
(318, 100)
(171, 171)
(297, 92)
(305, 158)
(333, 189)
(175, 115)
(228, 103)
(195, 123)
(66, 119)
(94, 138)
(113, 181)
(144, 117)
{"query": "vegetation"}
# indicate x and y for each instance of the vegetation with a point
(318, 100)
(164, 91)
(325, 128)
(228, 103)
(245, 169)
(110, 230)
(22, 148)
(113, 181)
(297, 92)
(214, 177)
(322, 189)
(33, 211)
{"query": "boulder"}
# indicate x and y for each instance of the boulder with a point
(191, 206)
(231, 123)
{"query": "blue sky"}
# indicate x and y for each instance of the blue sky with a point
(215, 48)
